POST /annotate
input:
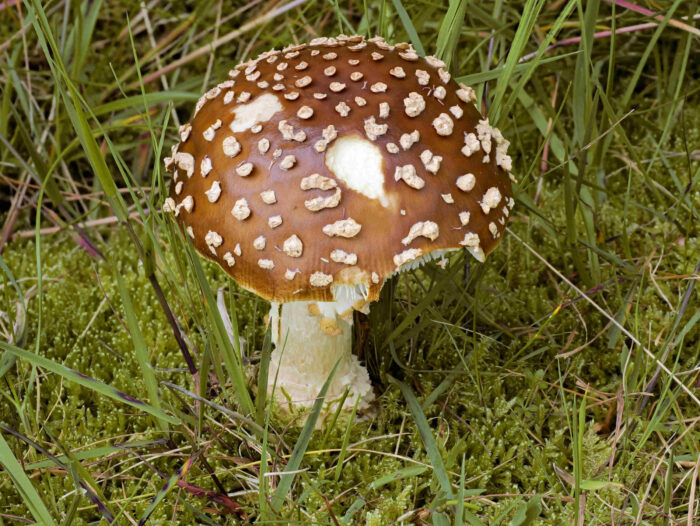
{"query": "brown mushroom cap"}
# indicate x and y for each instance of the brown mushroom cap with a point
(251, 184)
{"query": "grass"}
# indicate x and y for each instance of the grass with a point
(557, 383)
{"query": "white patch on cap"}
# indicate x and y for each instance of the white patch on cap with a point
(384, 110)
(317, 181)
(240, 210)
(213, 240)
(187, 203)
(320, 202)
(266, 264)
(427, 229)
(466, 182)
(456, 111)
(406, 256)
(259, 243)
(260, 110)
(293, 246)
(319, 279)
(430, 161)
(470, 240)
(169, 205)
(268, 197)
(358, 163)
(340, 256)
(343, 228)
(471, 144)
(184, 161)
(205, 166)
(245, 169)
(288, 162)
(491, 199)
(409, 139)
(214, 192)
(409, 176)
(444, 124)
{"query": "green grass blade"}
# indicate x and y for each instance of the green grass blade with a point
(528, 512)
(484, 76)
(346, 437)
(165, 490)
(448, 34)
(334, 419)
(24, 486)
(140, 349)
(409, 472)
(356, 506)
(668, 486)
(302, 443)
(530, 66)
(459, 510)
(85, 381)
(82, 478)
(230, 351)
(95, 453)
(156, 97)
(426, 434)
(71, 98)
(650, 48)
(530, 13)
(408, 26)
(263, 372)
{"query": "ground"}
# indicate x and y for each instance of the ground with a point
(557, 383)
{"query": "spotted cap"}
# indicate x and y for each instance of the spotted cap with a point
(337, 163)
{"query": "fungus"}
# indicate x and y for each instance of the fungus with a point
(339, 170)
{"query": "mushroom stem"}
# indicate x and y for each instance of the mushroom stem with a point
(309, 338)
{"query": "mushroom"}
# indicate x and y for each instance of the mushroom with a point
(316, 172)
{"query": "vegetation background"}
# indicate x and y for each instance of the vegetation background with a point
(557, 383)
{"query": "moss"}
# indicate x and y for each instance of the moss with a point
(390, 509)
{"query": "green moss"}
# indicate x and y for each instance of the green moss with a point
(390, 509)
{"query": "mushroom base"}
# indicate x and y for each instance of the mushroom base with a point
(309, 338)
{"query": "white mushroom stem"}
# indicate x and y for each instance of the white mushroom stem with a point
(309, 338)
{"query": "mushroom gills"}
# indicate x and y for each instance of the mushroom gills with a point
(309, 338)
(425, 258)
